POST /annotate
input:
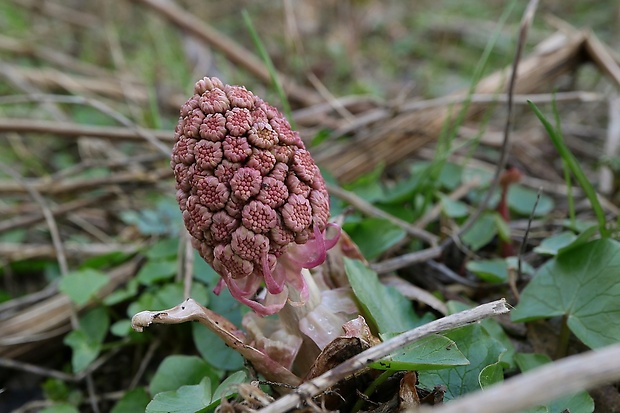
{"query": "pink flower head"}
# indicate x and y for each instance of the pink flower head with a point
(252, 198)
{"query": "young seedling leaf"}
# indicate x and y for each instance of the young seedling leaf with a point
(133, 401)
(209, 345)
(228, 386)
(195, 398)
(170, 295)
(60, 408)
(577, 403)
(553, 244)
(121, 328)
(177, 370)
(386, 307)
(491, 374)
(374, 236)
(583, 286)
(494, 270)
(521, 200)
(82, 285)
(157, 270)
(430, 353)
(581, 239)
(86, 341)
(163, 249)
(186, 399)
(481, 232)
(214, 350)
(452, 208)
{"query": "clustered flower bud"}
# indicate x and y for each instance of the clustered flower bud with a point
(252, 198)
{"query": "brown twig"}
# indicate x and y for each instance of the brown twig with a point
(74, 130)
(405, 260)
(44, 186)
(29, 220)
(19, 252)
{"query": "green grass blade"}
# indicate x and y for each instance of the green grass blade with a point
(575, 168)
(260, 47)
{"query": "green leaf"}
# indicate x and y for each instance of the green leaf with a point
(165, 219)
(522, 200)
(452, 208)
(163, 249)
(503, 229)
(195, 398)
(369, 186)
(122, 294)
(60, 408)
(480, 349)
(481, 232)
(83, 351)
(581, 239)
(227, 387)
(157, 270)
(82, 285)
(583, 286)
(95, 323)
(374, 236)
(450, 176)
(209, 345)
(577, 403)
(105, 260)
(553, 244)
(178, 370)
(86, 341)
(495, 270)
(187, 399)
(491, 374)
(513, 264)
(172, 294)
(214, 350)
(495, 330)
(430, 353)
(133, 401)
(121, 328)
(384, 306)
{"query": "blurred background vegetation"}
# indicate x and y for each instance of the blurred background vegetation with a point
(89, 97)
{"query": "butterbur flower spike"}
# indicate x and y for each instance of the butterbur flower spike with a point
(252, 198)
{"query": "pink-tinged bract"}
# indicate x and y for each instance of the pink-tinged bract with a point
(252, 198)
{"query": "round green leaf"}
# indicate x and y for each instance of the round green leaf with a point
(177, 370)
(133, 401)
(582, 285)
(522, 200)
(82, 285)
